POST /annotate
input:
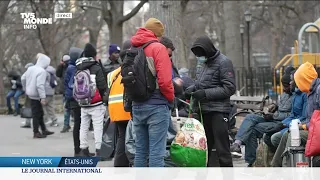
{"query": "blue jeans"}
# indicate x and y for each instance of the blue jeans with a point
(15, 94)
(151, 123)
(67, 112)
(248, 135)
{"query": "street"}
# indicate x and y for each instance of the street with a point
(18, 141)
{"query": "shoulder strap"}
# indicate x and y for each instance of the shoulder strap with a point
(148, 43)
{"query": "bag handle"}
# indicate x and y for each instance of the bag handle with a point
(190, 109)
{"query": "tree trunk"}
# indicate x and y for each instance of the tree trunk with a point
(3, 10)
(170, 14)
(232, 32)
(116, 33)
(275, 47)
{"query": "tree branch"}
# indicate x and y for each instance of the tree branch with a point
(133, 12)
(82, 6)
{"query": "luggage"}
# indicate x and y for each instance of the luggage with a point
(189, 148)
(109, 140)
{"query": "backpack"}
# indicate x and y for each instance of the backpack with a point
(53, 80)
(84, 88)
(138, 81)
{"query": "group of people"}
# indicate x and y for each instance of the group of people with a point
(298, 101)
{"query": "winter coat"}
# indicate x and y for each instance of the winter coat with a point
(110, 66)
(60, 73)
(298, 111)
(313, 100)
(49, 89)
(216, 77)
(284, 107)
(34, 79)
(15, 80)
(156, 53)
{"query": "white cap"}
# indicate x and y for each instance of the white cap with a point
(65, 58)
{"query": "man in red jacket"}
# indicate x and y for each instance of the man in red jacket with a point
(151, 118)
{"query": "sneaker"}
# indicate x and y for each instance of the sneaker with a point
(38, 135)
(65, 129)
(47, 133)
(15, 114)
(249, 165)
(26, 126)
(84, 153)
(54, 124)
(10, 111)
(236, 150)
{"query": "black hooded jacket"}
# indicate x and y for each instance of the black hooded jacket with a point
(216, 77)
(14, 75)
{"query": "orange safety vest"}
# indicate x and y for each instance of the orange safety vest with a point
(115, 103)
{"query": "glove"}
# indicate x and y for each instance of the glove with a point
(13, 81)
(268, 117)
(272, 108)
(199, 94)
(189, 91)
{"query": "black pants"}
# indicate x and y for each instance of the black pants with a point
(37, 116)
(120, 157)
(76, 129)
(216, 129)
(267, 140)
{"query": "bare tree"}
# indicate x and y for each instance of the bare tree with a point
(3, 10)
(112, 14)
(170, 14)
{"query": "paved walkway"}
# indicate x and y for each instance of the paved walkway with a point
(16, 141)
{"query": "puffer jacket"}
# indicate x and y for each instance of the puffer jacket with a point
(216, 77)
(313, 102)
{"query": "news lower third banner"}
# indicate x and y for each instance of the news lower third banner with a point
(49, 161)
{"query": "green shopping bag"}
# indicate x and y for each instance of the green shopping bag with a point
(189, 148)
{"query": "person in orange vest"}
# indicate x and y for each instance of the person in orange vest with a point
(118, 115)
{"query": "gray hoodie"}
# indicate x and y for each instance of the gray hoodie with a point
(49, 90)
(34, 79)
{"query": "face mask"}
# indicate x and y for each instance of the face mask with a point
(202, 59)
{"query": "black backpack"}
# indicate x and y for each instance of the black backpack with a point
(138, 80)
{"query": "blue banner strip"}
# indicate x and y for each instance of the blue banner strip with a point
(49, 161)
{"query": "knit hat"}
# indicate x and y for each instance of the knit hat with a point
(65, 58)
(126, 45)
(167, 43)
(113, 48)
(89, 51)
(155, 26)
(304, 76)
(286, 79)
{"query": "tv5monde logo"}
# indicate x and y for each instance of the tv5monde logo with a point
(30, 21)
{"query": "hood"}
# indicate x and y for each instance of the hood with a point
(143, 36)
(74, 54)
(85, 63)
(51, 70)
(13, 74)
(206, 44)
(314, 85)
(304, 76)
(43, 61)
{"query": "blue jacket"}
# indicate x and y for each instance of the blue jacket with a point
(74, 54)
(313, 100)
(298, 110)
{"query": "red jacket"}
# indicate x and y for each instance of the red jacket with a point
(159, 54)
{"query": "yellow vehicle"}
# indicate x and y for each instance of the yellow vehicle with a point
(298, 57)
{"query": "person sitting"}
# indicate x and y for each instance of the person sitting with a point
(298, 112)
(307, 81)
(15, 92)
(247, 134)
